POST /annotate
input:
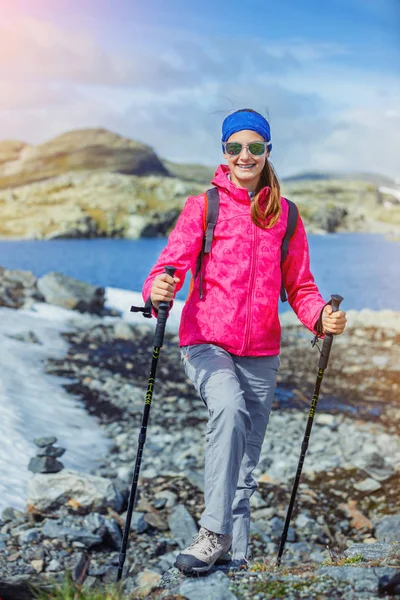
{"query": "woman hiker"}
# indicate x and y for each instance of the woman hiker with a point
(230, 333)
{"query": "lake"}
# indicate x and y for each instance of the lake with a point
(362, 267)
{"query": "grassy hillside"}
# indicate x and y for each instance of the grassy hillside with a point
(92, 182)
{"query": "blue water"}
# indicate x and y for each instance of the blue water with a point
(364, 268)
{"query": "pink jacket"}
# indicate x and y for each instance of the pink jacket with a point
(241, 275)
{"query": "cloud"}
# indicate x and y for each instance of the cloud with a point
(173, 95)
(47, 52)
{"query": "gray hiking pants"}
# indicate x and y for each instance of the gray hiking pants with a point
(238, 392)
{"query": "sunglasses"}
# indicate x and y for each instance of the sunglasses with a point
(235, 148)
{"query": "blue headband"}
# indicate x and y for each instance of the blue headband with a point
(240, 120)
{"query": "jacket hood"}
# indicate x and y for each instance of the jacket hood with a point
(222, 182)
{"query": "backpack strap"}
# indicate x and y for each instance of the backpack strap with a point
(211, 210)
(290, 229)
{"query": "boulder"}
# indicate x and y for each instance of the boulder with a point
(71, 293)
(84, 492)
(17, 287)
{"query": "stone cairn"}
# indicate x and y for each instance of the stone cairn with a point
(45, 460)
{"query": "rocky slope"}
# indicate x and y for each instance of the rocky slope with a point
(345, 529)
(95, 183)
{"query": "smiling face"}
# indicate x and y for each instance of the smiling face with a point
(245, 168)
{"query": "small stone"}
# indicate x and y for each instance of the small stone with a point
(45, 464)
(213, 587)
(37, 565)
(358, 520)
(114, 534)
(122, 331)
(145, 582)
(156, 521)
(54, 566)
(29, 535)
(159, 503)
(265, 478)
(45, 441)
(368, 485)
(50, 451)
(79, 567)
(138, 522)
(13, 557)
(11, 514)
(170, 497)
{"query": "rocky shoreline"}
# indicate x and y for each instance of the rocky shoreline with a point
(345, 531)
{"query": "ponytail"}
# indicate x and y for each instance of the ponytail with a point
(259, 214)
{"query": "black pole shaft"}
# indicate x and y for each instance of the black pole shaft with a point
(162, 317)
(322, 364)
(135, 478)
(304, 447)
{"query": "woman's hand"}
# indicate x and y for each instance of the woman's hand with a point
(163, 289)
(333, 322)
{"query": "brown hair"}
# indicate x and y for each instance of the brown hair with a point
(268, 177)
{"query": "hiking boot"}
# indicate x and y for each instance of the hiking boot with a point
(202, 554)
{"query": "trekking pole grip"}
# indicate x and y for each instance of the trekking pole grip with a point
(326, 346)
(162, 317)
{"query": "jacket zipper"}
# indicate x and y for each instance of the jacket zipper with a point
(251, 289)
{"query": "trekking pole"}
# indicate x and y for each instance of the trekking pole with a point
(158, 342)
(323, 363)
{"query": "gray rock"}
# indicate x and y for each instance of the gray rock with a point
(375, 466)
(388, 529)
(30, 535)
(276, 529)
(71, 293)
(42, 442)
(45, 464)
(167, 560)
(51, 451)
(182, 525)
(258, 530)
(54, 565)
(122, 331)
(114, 538)
(94, 522)
(372, 552)
(368, 485)
(79, 566)
(138, 522)
(363, 581)
(213, 587)
(12, 514)
(92, 493)
(58, 530)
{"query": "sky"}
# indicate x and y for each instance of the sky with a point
(326, 74)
